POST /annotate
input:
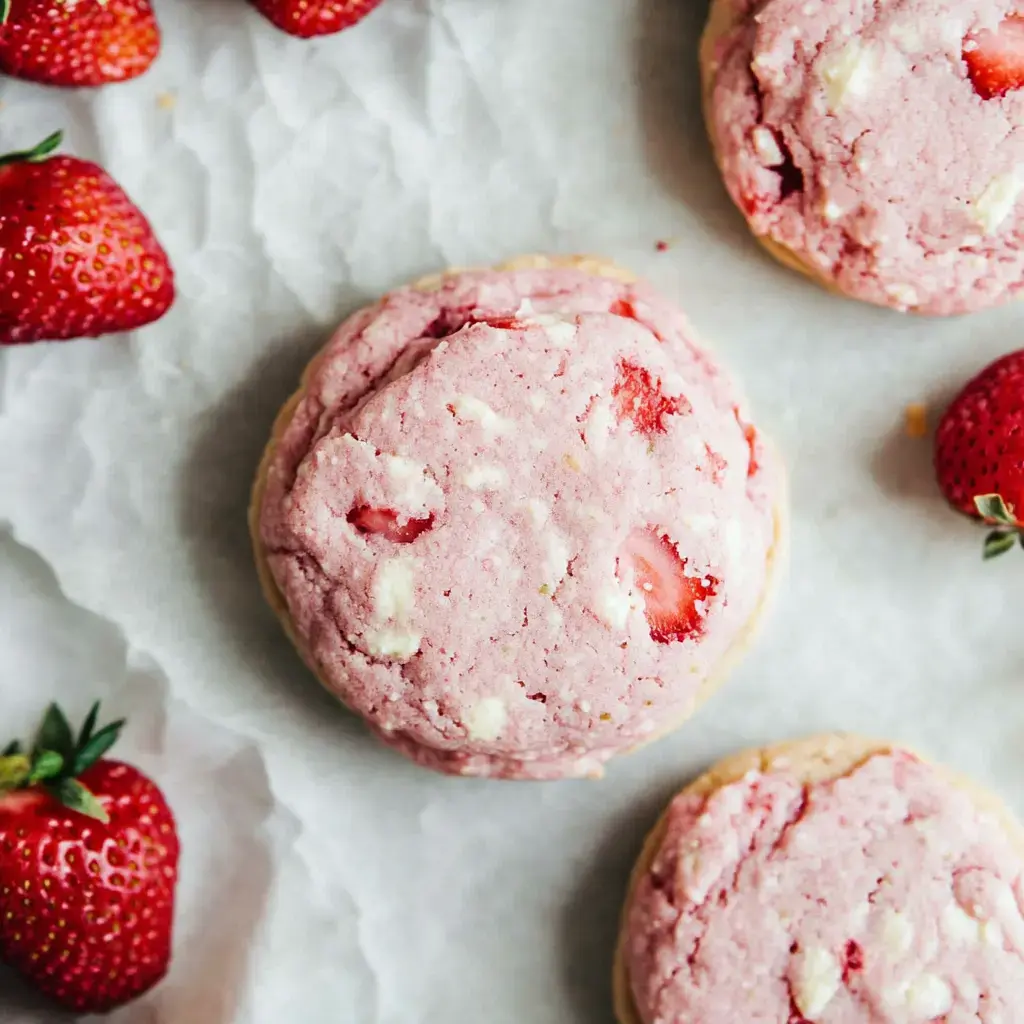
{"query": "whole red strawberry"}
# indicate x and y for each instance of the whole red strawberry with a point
(979, 452)
(77, 42)
(88, 869)
(77, 258)
(306, 18)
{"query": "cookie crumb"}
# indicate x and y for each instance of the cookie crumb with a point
(166, 100)
(916, 420)
(661, 245)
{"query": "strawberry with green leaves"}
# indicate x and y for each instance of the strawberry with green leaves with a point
(88, 868)
(979, 452)
(77, 42)
(77, 257)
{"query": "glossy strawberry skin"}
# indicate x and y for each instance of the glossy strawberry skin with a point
(77, 258)
(86, 908)
(979, 444)
(78, 42)
(308, 18)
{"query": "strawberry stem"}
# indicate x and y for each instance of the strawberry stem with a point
(58, 758)
(40, 153)
(1008, 529)
(5, 10)
(992, 507)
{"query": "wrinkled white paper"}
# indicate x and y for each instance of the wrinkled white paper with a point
(324, 879)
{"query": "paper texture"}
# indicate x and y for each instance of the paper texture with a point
(324, 879)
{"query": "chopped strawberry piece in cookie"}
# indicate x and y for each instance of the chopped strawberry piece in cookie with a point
(501, 323)
(995, 60)
(853, 957)
(751, 436)
(623, 308)
(638, 397)
(386, 522)
(670, 596)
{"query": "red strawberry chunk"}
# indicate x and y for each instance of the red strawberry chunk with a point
(670, 596)
(638, 397)
(751, 437)
(502, 323)
(995, 60)
(853, 958)
(386, 522)
(623, 308)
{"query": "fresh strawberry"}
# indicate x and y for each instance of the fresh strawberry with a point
(77, 42)
(387, 523)
(307, 18)
(670, 596)
(77, 258)
(995, 59)
(638, 397)
(979, 451)
(88, 868)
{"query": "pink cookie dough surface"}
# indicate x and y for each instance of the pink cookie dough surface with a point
(882, 897)
(454, 513)
(851, 134)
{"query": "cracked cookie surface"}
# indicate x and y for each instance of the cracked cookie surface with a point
(832, 881)
(516, 518)
(876, 145)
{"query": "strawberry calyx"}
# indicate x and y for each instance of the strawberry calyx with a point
(5, 10)
(1008, 531)
(45, 149)
(57, 758)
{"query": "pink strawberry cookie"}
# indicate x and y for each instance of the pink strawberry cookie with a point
(516, 519)
(876, 145)
(830, 881)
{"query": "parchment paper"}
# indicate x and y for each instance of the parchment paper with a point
(324, 880)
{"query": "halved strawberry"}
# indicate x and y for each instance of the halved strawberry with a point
(995, 60)
(670, 596)
(385, 521)
(638, 397)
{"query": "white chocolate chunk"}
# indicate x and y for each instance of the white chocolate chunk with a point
(817, 979)
(390, 642)
(486, 719)
(996, 203)
(394, 589)
(766, 147)
(848, 75)
(613, 603)
(469, 407)
(409, 483)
